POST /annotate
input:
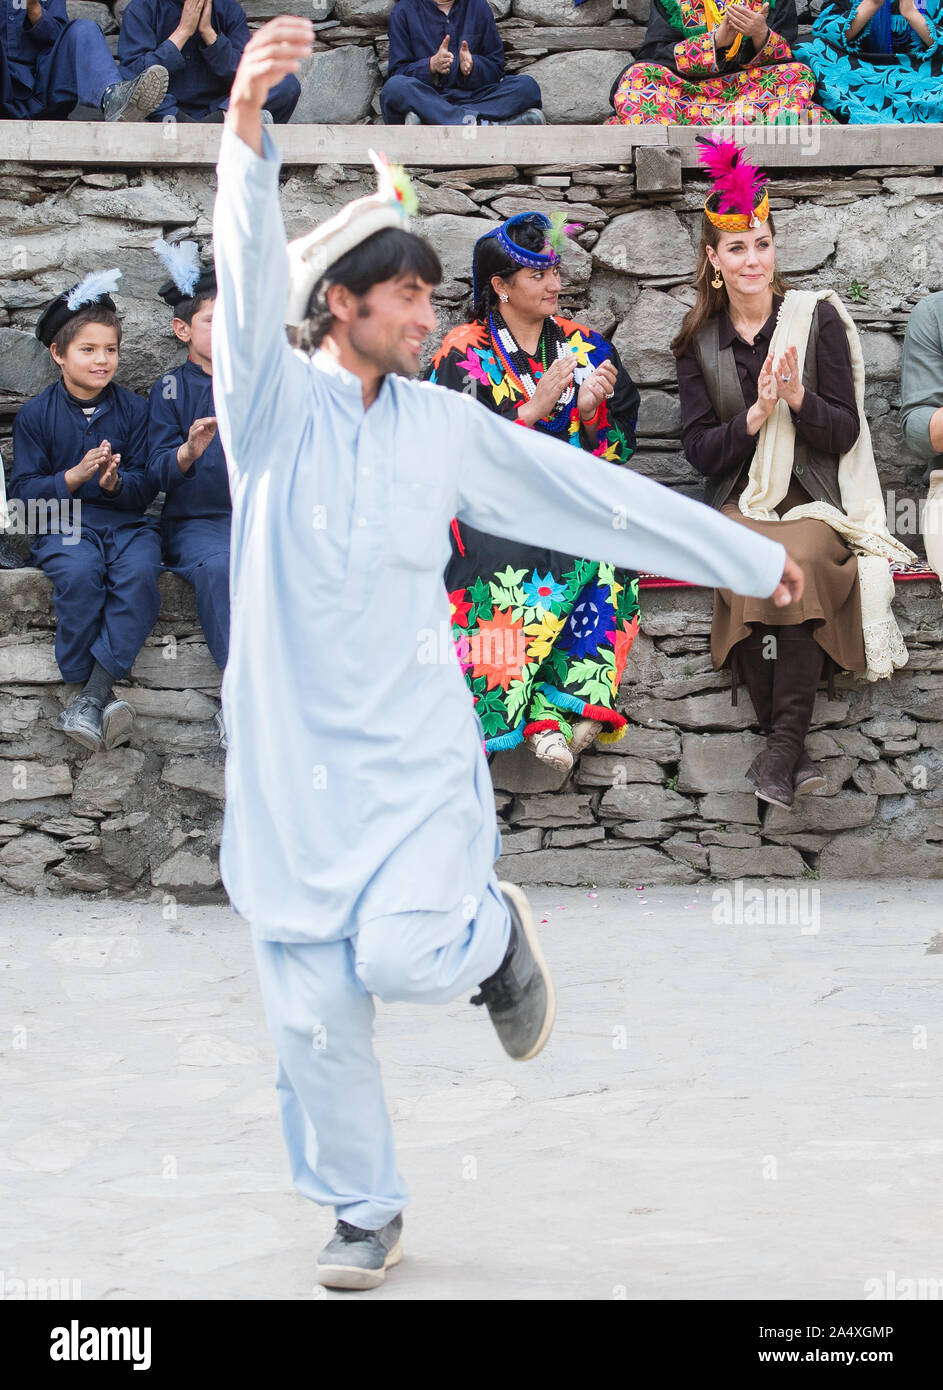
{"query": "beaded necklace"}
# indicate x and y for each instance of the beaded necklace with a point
(516, 364)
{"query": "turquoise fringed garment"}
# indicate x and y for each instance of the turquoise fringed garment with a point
(872, 79)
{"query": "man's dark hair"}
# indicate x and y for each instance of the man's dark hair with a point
(388, 255)
(188, 307)
(530, 234)
(72, 327)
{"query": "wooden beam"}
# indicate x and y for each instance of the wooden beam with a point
(804, 147)
(824, 147)
(63, 143)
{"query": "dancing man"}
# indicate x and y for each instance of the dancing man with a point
(360, 834)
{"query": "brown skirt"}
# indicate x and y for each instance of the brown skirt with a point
(832, 597)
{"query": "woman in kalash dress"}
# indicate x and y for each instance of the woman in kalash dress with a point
(542, 637)
(772, 400)
(880, 61)
(704, 62)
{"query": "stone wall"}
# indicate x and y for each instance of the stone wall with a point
(574, 52)
(671, 797)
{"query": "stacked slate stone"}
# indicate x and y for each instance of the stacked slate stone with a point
(668, 803)
(574, 52)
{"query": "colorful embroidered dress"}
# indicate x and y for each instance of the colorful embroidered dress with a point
(542, 637)
(680, 80)
(885, 73)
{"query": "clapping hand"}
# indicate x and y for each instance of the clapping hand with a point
(199, 438)
(205, 28)
(749, 22)
(465, 59)
(108, 468)
(789, 387)
(595, 388)
(442, 59)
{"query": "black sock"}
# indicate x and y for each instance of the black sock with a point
(98, 684)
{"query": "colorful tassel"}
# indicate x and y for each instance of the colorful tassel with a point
(394, 185)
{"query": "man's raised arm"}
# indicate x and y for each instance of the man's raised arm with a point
(249, 344)
(518, 483)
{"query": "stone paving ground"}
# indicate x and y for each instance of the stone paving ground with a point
(728, 1108)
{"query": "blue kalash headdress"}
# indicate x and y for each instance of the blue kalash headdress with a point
(556, 227)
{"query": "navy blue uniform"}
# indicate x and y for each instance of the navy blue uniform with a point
(417, 28)
(197, 514)
(200, 75)
(52, 66)
(105, 575)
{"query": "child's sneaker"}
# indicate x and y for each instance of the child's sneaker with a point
(358, 1259)
(82, 720)
(117, 722)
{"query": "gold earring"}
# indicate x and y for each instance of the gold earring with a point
(718, 280)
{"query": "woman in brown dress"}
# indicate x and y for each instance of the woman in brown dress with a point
(729, 386)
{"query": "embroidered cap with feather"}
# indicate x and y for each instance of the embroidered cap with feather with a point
(311, 256)
(738, 200)
(96, 288)
(188, 278)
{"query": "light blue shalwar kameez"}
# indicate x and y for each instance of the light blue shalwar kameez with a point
(360, 835)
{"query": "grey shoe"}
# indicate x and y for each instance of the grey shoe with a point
(520, 995)
(267, 117)
(117, 722)
(411, 118)
(220, 730)
(358, 1259)
(532, 117)
(82, 720)
(132, 101)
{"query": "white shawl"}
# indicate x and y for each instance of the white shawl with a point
(864, 524)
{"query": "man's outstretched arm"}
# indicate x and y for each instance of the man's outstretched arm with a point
(250, 350)
(526, 486)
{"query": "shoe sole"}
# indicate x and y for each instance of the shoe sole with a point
(149, 95)
(812, 784)
(116, 729)
(350, 1277)
(86, 740)
(526, 916)
(772, 801)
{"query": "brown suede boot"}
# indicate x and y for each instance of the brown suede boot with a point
(808, 776)
(798, 669)
(756, 669)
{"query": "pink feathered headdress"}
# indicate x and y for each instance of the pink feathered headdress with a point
(739, 194)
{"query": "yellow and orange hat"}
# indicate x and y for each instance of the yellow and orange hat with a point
(738, 200)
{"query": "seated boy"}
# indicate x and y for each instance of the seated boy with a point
(200, 43)
(84, 438)
(50, 64)
(185, 457)
(447, 68)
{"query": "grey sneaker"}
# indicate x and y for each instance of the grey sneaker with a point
(117, 722)
(519, 995)
(82, 720)
(267, 117)
(532, 117)
(132, 101)
(220, 730)
(358, 1259)
(411, 118)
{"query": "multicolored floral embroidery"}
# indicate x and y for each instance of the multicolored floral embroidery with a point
(680, 82)
(542, 638)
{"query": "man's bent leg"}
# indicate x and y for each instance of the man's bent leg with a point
(401, 94)
(432, 957)
(334, 1117)
(80, 67)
